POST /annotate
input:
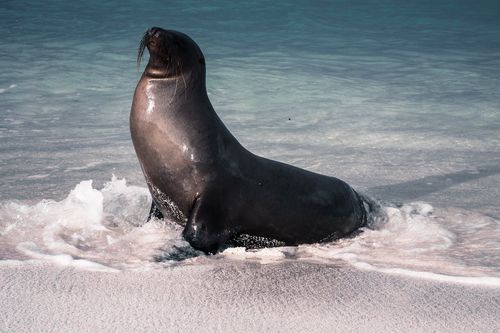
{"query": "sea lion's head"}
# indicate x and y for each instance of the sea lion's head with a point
(172, 54)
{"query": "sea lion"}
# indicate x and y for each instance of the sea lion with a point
(201, 177)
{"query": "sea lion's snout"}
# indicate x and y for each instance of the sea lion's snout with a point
(152, 36)
(151, 41)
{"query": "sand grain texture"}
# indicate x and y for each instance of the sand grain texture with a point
(243, 297)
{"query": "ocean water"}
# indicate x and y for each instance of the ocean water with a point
(401, 100)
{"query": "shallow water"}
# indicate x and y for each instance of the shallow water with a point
(399, 100)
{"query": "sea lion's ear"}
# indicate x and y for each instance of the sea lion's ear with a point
(202, 61)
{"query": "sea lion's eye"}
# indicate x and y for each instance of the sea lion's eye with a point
(202, 61)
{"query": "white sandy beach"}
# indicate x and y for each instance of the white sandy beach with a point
(239, 297)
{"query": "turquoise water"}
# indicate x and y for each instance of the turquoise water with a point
(399, 99)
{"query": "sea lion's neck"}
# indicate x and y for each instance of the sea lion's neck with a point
(182, 106)
(188, 119)
(176, 97)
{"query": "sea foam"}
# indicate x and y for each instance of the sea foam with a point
(106, 229)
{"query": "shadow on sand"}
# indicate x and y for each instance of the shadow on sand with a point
(414, 189)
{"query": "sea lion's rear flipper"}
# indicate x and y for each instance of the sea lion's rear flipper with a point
(154, 212)
(375, 213)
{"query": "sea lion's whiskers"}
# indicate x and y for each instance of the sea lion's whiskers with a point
(142, 46)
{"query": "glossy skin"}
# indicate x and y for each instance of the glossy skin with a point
(200, 176)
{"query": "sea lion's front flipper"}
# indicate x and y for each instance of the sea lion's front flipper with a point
(207, 229)
(154, 212)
